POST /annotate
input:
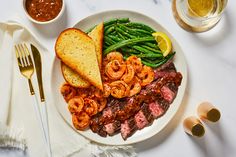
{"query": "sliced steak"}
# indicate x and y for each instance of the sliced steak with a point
(107, 116)
(128, 128)
(166, 69)
(163, 103)
(173, 87)
(96, 127)
(140, 120)
(156, 109)
(160, 74)
(168, 94)
(109, 128)
(147, 113)
(102, 133)
(112, 128)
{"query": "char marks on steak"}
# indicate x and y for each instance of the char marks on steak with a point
(128, 128)
(128, 115)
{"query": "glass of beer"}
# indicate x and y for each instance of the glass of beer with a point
(198, 15)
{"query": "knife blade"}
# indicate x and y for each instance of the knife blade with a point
(38, 67)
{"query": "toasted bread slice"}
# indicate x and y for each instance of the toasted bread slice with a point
(73, 78)
(77, 50)
(97, 35)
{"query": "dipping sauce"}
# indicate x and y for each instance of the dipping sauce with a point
(43, 10)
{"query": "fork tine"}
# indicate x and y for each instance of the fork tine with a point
(18, 56)
(28, 55)
(24, 55)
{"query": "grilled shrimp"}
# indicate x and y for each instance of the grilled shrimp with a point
(90, 106)
(129, 74)
(115, 69)
(67, 91)
(146, 75)
(115, 56)
(135, 62)
(75, 105)
(81, 120)
(135, 86)
(119, 89)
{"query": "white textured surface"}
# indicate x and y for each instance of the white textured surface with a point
(211, 61)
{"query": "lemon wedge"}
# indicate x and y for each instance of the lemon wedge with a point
(200, 7)
(163, 42)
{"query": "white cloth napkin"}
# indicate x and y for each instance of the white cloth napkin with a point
(19, 127)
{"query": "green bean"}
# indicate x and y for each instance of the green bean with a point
(128, 31)
(152, 45)
(150, 55)
(123, 20)
(140, 26)
(110, 22)
(151, 49)
(168, 57)
(127, 42)
(122, 32)
(153, 60)
(109, 30)
(148, 64)
(144, 50)
(144, 32)
(163, 61)
(121, 36)
(115, 38)
(107, 27)
(129, 50)
(113, 21)
(134, 32)
(108, 41)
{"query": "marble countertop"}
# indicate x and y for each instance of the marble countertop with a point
(211, 60)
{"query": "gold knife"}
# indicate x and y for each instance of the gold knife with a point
(38, 67)
(43, 107)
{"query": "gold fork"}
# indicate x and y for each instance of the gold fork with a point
(25, 64)
(26, 67)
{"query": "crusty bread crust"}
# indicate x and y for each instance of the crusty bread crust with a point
(97, 35)
(73, 78)
(77, 50)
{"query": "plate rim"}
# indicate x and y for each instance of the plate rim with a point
(184, 83)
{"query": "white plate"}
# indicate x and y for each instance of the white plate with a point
(159, 124)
